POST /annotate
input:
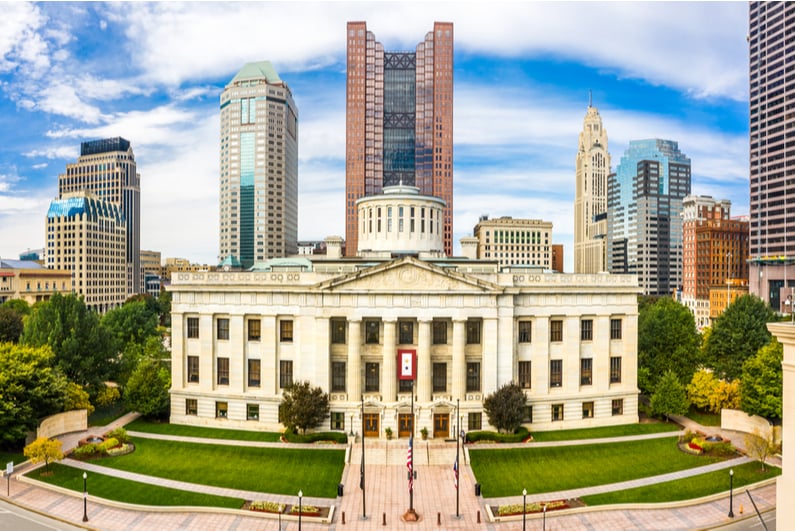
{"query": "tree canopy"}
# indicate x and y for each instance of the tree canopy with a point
(303, 406)
(11, 324)
(670, 397)
(133, 322)
(762, 382)
(505, 407)
(44, 449)
(147, 389)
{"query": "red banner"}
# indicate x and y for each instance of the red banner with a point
(407, 364)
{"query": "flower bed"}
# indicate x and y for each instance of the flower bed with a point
(535, 507)
(266, 507)
(305, 510)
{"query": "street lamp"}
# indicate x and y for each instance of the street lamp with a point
(85, 498)
(545, 517)
(524, 509)
(300, 497)
(731, 485)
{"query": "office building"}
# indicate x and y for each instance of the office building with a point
(514, 241)
(590, 198)
(32, 282)
(399, 122)
(772, 151)
(644, 222)
(259, 167)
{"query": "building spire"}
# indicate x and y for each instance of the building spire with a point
(590, 98)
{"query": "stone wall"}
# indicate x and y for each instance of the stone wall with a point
(736, 420)
(61, 423)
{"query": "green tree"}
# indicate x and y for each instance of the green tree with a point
(134, 353)
(505, 407)
(147, 389)
(82, 347)
(44, 449)
(726, 395)
(133, 322)
(303, 407)
(29, 389)
(737, 335)
(762, 382)
(77, 398)
(701, 388)
(164, 300)
(667, 341)
(670, 397)
(11, 324)
(21, 306)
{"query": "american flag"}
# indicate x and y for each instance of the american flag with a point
(455, 472)
(410, 463)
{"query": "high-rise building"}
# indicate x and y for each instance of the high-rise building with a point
(399, 122)
(772, 146)
(644, 222)
(259, 167)
(513, 241)
(106, 169)
(590, 199)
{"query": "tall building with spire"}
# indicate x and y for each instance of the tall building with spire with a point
(259, 168)
(590, 200)
(399, 122)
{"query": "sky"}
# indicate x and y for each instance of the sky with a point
(153, 74)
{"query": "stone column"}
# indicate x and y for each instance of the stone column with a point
(389, 374)
(785, 484)
(354, 361)
(459, 360)
(424, 369)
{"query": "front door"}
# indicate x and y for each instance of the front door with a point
(441, 425)
(371, 424)
(404, 425)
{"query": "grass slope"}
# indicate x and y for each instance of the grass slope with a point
(606, 431)
(199, 431)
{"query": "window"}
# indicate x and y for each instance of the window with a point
(252, 411)
(286, 331)
(221, 410)
(615, 369)
(405, 386)
(587, 410)
(557, 412)
(524, 375)
(440, 332)
(193, 369)
(405, 332)
(615, 328)
(473, 376)
(338, 420)
(193, 327)
(338, 376)
(223, 371)
(371, 377)
(338, 331)
(586, 330)
(285, 373)
(555, 373)
(475, 421)
(618, 406)
(525, 331)
(254, 373)
(473, 331)
(586, 371)
(371, 330)
(556, 330)
(439, 377)
(254, 329)
(191, 406)
(527, 415)
(222, 328)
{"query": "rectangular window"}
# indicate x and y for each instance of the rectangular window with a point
(555, 373)
(525, 331)
(371, 377)
(586, 371)
(193, 369)
(252, 411)
(221, 410)
(371, 332)
(405, 386)
(473, 376)
(191, 406)
(254, 369)
(286, 331)
(338, 331)
(586, 330)
(254, 329)
(615, 369)
(475, 421)
(473, 331)
(557, 412)
(615, 328)
(193, 327)
(618, 406)
(222, 328)
(556, 330)
(338, 420)
(338, 376)
(440, 332)
(527, 415)
(223, 371)
(406, 333)
(439, 377)
(525, 375)
(285, 373)
(587, 410)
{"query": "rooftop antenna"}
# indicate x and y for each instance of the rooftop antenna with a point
(590, 98)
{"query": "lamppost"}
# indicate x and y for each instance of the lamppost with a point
(85, 498)
(731, 494)
(789, 302)
(524, 509)
(545, 517)
(300, 509)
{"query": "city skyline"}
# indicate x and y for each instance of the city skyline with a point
(76, 72)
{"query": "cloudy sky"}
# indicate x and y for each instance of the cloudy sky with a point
(153, 73)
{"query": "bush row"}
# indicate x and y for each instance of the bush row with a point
(518, 436)
(335, 436)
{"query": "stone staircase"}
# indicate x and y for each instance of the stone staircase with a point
(381, 452)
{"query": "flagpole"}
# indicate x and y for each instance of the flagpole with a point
(361, 471)
(411, 443)
(457, 465)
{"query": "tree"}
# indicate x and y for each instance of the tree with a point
(762, 382)
(667, 341)
(11, 324)
(701, 388)
(670, 397)
(44, 449)
(29, 389)
(759, 447)
(133, 354)
(147, 389)
(726, 395)
(304, 407)
(737, 335)
(77, 398)
(505, 407)
(133, 322)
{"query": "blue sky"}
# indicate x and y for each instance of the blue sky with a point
(153, 73)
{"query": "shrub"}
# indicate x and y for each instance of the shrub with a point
(266, 506)
(107, 444)
(722, 448)
(335, 436)
(85, 451)
(304, 509)
(107, 396)
(520, 435)
(688, 436)
(120, 450)
(120, 434)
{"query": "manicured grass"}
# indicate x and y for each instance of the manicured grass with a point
(122, 490)
(704, 418)
(102, 416)
(688, 488)
(274, 470)
(163, 428)
(606, 431)
(507, 472)
(16, 457)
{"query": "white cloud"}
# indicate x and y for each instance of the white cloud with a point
(18, 38)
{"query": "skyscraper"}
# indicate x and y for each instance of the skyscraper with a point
(259, 167)
(399, 122)
(590, 200)
(772, 144)
(644, 222)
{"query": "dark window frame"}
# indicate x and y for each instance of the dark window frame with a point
(556, 330)
(193, 369)
(473, 383)
(405, 332)
(615, 369)
(372, 332)
(338, 374)
(222, 370)
(222, 328)
(555, 373)
(525, 374)
(192, 328)
(372, 380)
(285, 373)
(439, 332)
(586, 330)
(586, 371)
(439, 377)
(254, 376)
(525, 332)
(286, 330)
(615, 329)
(338, 331)
(254, 329)
(473, 331)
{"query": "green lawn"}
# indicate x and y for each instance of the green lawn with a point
(704, 418)
(126, 491)
(274, 470)
(16, 457)
(507, 472)
(606, 431)
(687, 489)
(102, 416)
(163, 428)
